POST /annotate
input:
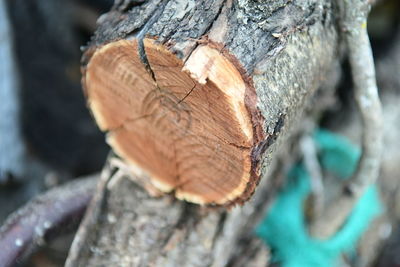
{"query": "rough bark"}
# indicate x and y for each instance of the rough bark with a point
(286, 48)
(217, 88)
(159, 231)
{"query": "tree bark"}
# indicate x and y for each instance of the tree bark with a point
(198, 92)
(283, 51)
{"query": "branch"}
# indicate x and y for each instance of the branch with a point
(354, 21)
(33, 224)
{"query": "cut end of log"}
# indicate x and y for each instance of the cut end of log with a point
(184, 123)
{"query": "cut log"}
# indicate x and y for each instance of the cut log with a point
(284, 49)
(188, 94)
(189, 128)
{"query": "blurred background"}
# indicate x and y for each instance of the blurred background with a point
(48, 137)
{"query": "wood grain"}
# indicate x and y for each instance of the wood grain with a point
(187, 128)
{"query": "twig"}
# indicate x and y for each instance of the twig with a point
(354, 22)
(33, 224)
(309, 152)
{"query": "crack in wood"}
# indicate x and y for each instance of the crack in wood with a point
(142, 34)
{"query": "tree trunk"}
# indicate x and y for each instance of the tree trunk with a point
(196, 96)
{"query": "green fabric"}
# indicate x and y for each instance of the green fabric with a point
(284, 229)
(338, 156)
